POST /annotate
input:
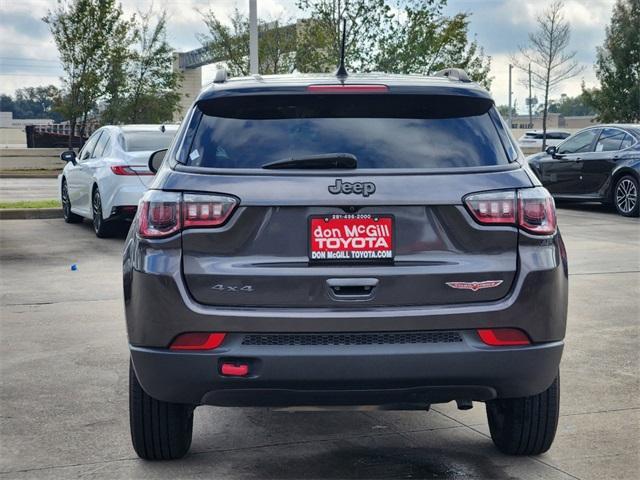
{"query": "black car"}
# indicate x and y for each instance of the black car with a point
(600, 164)
(330, 241)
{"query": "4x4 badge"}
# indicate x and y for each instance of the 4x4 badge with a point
(475, 286)
(358, 188)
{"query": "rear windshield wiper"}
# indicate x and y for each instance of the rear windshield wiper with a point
(324, 161)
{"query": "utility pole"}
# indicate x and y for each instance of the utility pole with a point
(510, 115)
(253, 37)
(530, 100)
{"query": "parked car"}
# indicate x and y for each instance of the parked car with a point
(106, 179)
(363, 240)
(533, 138)
(600, 164)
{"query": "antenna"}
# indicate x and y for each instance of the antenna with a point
(342, 71)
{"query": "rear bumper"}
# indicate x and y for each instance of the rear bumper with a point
(123, 193)
(390, 374)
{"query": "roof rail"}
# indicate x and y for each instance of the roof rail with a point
(220, 76)
(456, 74)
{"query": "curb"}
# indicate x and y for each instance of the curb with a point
(29, 213)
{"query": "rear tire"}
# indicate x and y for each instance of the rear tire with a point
(103, 228)
(625, 196)
(67, 214)
(527, 425)
(159, 430)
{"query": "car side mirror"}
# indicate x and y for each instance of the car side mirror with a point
(156, 159)
(68, 156)
(553, 151)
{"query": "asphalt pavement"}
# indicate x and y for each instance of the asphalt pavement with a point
(19, 189)
(64, 367)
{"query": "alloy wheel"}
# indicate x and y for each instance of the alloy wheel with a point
(66, 206)
(626, 195)
(97, 211)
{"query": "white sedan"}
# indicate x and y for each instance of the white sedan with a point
(533, 138)
(106, 179)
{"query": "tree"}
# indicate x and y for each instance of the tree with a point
(7, 104)
(89, 34)
(395, 37)
(412, 36)
(33, 102)
(144, 84)
(423, 40)
(618, 67)
(546, 52)
(504, 111)
(571, 106)
(320, 35)
(230, 43)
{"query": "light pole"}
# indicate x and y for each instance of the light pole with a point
(510, 115)
(530, 100)
(253, 37)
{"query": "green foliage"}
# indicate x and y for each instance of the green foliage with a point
(423, 40)
(231, 43)
(320, 34)
(33, 102)
(618, 67)
(504, 111)
(143, 86)
(571, 106)
(411, 36)
(116, 67)
(89, 34)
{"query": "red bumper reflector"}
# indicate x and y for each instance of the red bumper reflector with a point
(503, 337)
(234, 370)
(197, 341)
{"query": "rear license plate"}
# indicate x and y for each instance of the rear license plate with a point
(351, 237)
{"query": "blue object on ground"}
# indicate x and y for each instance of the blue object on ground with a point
(74, 267)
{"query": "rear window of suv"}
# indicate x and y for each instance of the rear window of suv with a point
(381, 131)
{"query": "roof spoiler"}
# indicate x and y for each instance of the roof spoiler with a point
(456, 74)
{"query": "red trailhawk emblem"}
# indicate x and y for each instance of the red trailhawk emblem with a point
(474, 286)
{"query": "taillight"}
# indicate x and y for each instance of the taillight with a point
(503, 337)
(122, 170)
(206, 210)
(531, 209)
(130, 170)
(536, 211)
(165, 213)
(197, 341)
(493, 207)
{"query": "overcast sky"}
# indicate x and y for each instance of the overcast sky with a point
(28, 56)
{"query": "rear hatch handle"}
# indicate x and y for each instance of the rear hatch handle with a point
(352, 288)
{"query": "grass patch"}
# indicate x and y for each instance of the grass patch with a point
(31, 204)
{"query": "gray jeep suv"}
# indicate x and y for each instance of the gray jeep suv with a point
(366, 240)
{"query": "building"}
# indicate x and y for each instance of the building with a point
(554, 120)
(7, 121)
